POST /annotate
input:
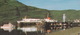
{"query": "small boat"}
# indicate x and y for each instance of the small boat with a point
(8, 27)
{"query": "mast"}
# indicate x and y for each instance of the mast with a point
(48, 15)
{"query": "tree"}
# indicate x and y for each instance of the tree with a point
(18, 12)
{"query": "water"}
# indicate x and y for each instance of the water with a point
(13, 32)
(19, 32)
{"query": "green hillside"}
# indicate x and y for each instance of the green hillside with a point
(70, 14)
(12, 10)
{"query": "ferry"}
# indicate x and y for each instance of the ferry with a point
(39, 26)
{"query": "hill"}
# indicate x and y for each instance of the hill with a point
(70, 14)
(12, 10)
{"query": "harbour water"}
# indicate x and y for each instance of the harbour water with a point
(13, 32)
(18, 32)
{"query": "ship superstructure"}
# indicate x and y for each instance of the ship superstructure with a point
(30, 25)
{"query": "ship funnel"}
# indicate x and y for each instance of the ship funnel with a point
(64, 17)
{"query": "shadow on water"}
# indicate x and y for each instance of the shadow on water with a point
(14, 32)
(18, 32)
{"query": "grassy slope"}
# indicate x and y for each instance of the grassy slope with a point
(72, 31)
(70, 14)
(8, 11)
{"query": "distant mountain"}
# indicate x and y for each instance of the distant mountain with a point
(13, 10)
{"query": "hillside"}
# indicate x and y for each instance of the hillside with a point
(70, 14)
(12, 10)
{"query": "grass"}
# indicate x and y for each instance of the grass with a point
(72, 31)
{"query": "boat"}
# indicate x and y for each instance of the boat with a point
(8, 27)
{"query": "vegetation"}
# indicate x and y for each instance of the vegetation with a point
(13, 10)
(72, 31)
(70, 14)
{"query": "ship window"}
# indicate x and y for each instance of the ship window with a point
(27, 24)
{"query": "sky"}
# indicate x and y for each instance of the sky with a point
(53, 4)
